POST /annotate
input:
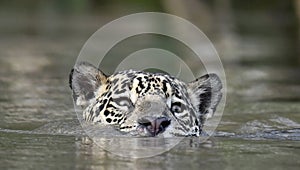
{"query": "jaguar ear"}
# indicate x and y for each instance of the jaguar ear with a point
(85, 80)
(205, 93)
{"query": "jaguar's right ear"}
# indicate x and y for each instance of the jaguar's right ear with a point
(85, 80)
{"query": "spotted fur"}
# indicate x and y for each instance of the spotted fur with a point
(145, 104)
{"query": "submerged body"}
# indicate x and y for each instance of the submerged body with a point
(145, 104)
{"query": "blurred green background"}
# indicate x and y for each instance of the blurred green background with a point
(248, 32)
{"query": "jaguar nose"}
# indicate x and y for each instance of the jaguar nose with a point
(154, 125)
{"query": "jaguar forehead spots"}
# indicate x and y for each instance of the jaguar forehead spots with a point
(145, 104)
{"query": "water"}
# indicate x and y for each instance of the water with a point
(260, 127)
(261, 122)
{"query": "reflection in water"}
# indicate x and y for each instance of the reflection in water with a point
(177, 158)
(136, 147)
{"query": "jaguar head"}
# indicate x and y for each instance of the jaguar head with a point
(145, 104)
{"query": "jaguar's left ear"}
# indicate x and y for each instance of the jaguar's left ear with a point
(85, 80)
(205, 93)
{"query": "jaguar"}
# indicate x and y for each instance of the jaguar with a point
(145, 104)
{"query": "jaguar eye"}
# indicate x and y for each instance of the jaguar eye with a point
(177, 107)
(123, 101)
